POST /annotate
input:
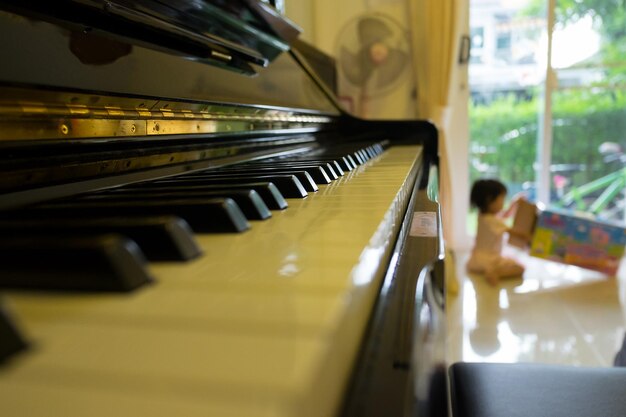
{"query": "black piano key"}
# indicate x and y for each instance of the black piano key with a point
(378, 149)
(337, 167)
(354, 159)
(353, 163)
(344, 163)
(288, 185)
(101, 263)
(340, 165)
(305, 179)
(165, 238)
(270, 194)
(359, 158)
(317, 173)
(210, 215)
(333, 171)
(11, 341)
(321, 173)
(341, 161)
(249, 201)
(320, 169)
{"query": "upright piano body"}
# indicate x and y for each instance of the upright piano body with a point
(154, 259)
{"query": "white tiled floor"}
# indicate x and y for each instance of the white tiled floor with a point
(554, 314)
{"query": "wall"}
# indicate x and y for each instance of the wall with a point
(458, 140)
(301, 12)
(331, 25)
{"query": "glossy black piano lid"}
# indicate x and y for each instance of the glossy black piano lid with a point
(131, 69)
(235, 34)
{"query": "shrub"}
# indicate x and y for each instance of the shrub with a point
(504, 136)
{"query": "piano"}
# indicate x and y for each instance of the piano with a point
(191, 226)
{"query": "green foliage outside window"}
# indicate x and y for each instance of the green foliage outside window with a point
(504, 136)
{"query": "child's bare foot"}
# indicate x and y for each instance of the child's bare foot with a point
(492, 278)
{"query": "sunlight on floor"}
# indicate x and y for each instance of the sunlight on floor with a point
(555, 314)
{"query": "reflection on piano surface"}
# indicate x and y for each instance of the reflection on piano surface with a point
(179, 238)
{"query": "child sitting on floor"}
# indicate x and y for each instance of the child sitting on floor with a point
(486, 258)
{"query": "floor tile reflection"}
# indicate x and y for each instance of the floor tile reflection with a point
(554, 314)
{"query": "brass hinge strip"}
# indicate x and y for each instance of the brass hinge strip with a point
(36, 121)
(35, 109)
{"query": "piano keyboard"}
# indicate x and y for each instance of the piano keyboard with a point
(267, 322)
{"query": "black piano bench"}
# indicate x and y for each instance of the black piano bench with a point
(536, 390)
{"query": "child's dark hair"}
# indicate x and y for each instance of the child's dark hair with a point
(484, 192)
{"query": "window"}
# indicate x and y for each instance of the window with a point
(558, 138)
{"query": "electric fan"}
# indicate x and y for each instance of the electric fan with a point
(373, 56)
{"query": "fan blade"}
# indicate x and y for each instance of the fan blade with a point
(393, 66)
(372, 30)
(356, 67)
